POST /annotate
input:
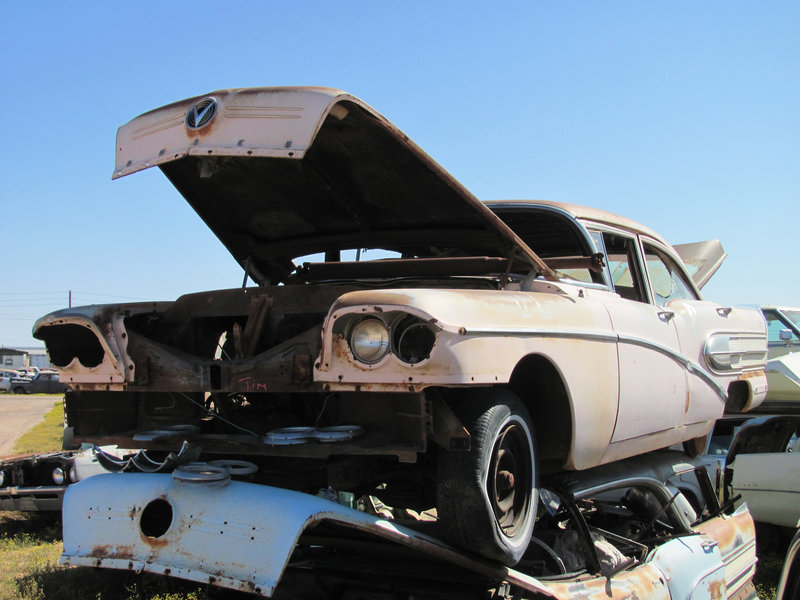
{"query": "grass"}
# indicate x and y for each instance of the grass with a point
(46, 436)
(30, 546)
(767, 573)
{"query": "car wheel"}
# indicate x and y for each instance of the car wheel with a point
(19, 390)
(486, 497)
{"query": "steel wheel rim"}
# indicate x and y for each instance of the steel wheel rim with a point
(510, 478)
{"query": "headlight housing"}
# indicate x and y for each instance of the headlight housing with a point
(59, 477)
(369, 340)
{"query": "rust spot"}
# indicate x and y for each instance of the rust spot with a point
(716, 591)
(109, 551)
(154, 542)
(751, 374)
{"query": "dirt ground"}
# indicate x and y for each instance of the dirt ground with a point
(18, 414)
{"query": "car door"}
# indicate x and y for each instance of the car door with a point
(704, 329)
(652, 384)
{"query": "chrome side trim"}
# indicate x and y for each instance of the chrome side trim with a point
(682, 360)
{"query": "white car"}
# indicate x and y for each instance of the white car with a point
(763, 466)
(783, 366)
(402, 339)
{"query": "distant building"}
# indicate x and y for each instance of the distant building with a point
(20, 358)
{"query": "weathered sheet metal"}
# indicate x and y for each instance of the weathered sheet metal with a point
(736, 536)
(389, 187)
(235, 535)
(242, 536)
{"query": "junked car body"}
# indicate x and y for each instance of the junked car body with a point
(37, 482)
(486, 344)
(763, 466)
(614, 531)
(783, 366)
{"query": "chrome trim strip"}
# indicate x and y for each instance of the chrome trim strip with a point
(690, 366)
(559, 333)
(682, 360)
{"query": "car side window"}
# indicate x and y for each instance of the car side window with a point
(667, 281)
(622, 264)
(774, 328)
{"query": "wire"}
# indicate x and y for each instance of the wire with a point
(211, 413)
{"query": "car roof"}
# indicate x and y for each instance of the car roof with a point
(587, 213)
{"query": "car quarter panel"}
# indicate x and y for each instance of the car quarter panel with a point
(729, 344)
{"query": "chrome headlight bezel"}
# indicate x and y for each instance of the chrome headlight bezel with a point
(369, 340)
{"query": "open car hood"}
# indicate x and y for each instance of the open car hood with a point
(280, 173)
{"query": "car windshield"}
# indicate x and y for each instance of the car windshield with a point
(793, 316)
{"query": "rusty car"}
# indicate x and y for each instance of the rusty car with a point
(616, 531)
(37, 482)
(400, 338)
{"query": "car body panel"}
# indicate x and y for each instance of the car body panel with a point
(27, 482)
(783, 366)
(702, 259)
(243, 536)
(763, 466)
(331, 169)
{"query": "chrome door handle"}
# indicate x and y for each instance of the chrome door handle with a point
(665, 315)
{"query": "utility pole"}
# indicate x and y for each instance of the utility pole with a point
(70, 299)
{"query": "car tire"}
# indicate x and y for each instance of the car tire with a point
(19, 390)
(486, 496)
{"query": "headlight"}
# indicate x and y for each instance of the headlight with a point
(58, 476)
(369, 341)
(2, 478)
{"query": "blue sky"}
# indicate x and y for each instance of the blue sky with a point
(681, 115)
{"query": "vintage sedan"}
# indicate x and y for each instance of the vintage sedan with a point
(402, 340)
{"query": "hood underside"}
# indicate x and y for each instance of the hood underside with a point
(281, 173)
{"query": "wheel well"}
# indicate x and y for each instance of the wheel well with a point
(538, 383)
